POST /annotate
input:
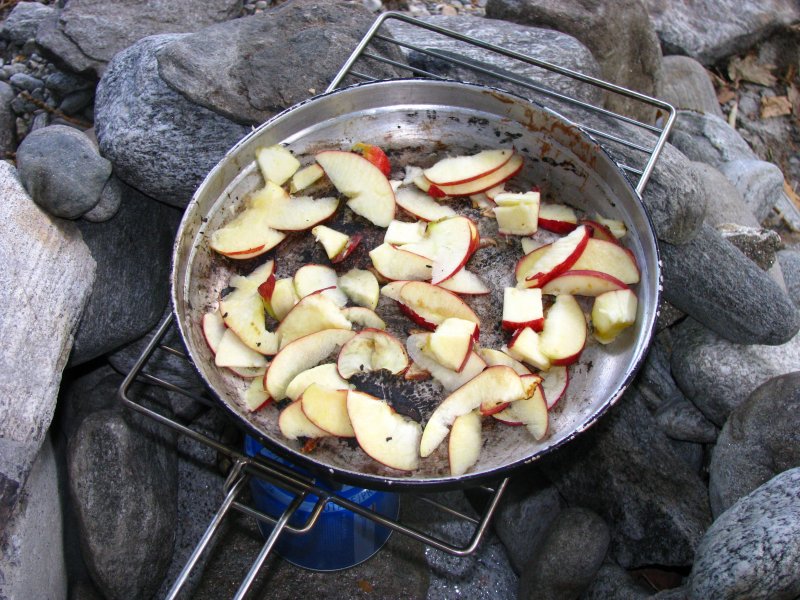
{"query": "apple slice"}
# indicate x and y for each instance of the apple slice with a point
(416, 373)
(392, 289)
(554, 384)
(305, 177)
(277, 164)
(615, 226)
(465, 282)
(282, 298)
(609, 258)
(429, 305)
(243, 311)
(613, 312)
(315, 278)
(492, 407)
(371, 350)
(454, 243)
(481, 202)
(451, 343)
(531, 412)
(337, 245)
(498, 384)
(496, 357)
(325, 375)
(464, 446)
(313, 313)
(530, 244)
(399, 233)
(369, 192)
(558, 218)
(599, 231)
(294, 424)
(255, 396)
(248, 235)
(463, 169)
(540, 266)
(396, 264)
(481, 184)
(375, 155)
(231, 352)
(522, 308)
(448, 378)
(287, 213)
(327, 409)
(213, 329)
(525, 345)
(564, 333)
(361, 287)
(386, 436)
(300, 355)
(421, 205)
(364, 317)
(583, 283)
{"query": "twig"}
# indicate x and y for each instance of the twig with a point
(54, 111)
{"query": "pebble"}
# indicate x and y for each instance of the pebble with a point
(26, 82)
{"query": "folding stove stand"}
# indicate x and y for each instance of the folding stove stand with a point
(244, 467)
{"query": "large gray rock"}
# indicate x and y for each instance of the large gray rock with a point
(23, 21)
(612, 581)
(759, 182)
(761, 438)
(524, 515)
(31, 543)
(708, 138)
(624, 469)
(8, 120)
(790, 265)
(725, 203)
(45, 283)
(619, 34)
(158, 141)
(62, 171)
(711, 280)
(123, 487)
(687, 86)
(544, 44)
(251, 68)
(133, 252)
(759, 244)
(86, 34)
(565, 564)
(753, 549)
(718, 375)
(710, 30)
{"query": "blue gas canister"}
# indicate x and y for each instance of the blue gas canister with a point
(340, 538)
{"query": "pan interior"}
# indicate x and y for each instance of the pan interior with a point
(418, 123)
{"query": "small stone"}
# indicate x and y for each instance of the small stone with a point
(22, 106)
(752, 550)
(65, 83)
(612, 581)
(760, 439)
(758, 244)
(711, 280)
(62, 171)
(568, 559)
(7, 121)
(790, 265)
(76, 101)
(686, 85)
(759, 182)
(709, 369)
(110, 201)
(27, 82)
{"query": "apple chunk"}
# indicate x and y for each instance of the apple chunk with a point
(305, 177)
(399, 233)
(451, 343)
(371, 350)
(558, 218)
(281, 299)
(369, 191)
(382, 433)
(464, 446)
(448, 378)
(522, 308)
(327, 409)
(612, 313)
(361, 287)
(287, 213)
(243, 311)
(246, 236)
(497, 384)
(530, 411)
(564, 333)
(397, 264)
(277, 164)
(421, 205)
(525, 345)
(337, 245)
(300, 355)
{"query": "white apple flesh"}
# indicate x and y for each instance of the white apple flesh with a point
(554, 384)
(428, 305)
(481, 184)
(231, 352)
(282, 299)
(313, 313)
(277, 164)
(558, 218)
(465, 282)
(462, 169)
(371, 350)
(248, 235)
(522, 308)
(541, 265)
(287, 213)
(255, 396)
(243, 311)
(421, 205)
(305, 177)
(454, 243)
(325, 375)
(448, 378)
(363, 317)
(294, 424)
(312, 278)
(565, 331)
(396, 264)
(464, 445)
(610, 258)
(530, 411)
(213, 329)
(399, 233)
(451, 343)
(496, 357)
(327, 409)
(361, 287)
(583, 283)
(525, 345)
(612, 313)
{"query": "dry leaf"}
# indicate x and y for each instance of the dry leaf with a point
(365, 586)
(725, 95)
(775, 106)
(747, 69)
(794, 97)
(793, 196)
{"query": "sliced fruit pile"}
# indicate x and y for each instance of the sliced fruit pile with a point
(300, 339)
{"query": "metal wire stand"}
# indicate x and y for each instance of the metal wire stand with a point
(373, 48)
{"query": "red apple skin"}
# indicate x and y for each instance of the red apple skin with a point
(542, 278)
(557, 226)
(600, 231)
(598, 274)
(436, 192)
(567, 360)
(266, 402)
(348, 249)
(415, 317)
(536, 324)
(495, 409)
(375, 155)
(265, 289)
(474, 177)
(484, 183)
(243, 252)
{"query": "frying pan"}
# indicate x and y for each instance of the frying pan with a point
(417, 122)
